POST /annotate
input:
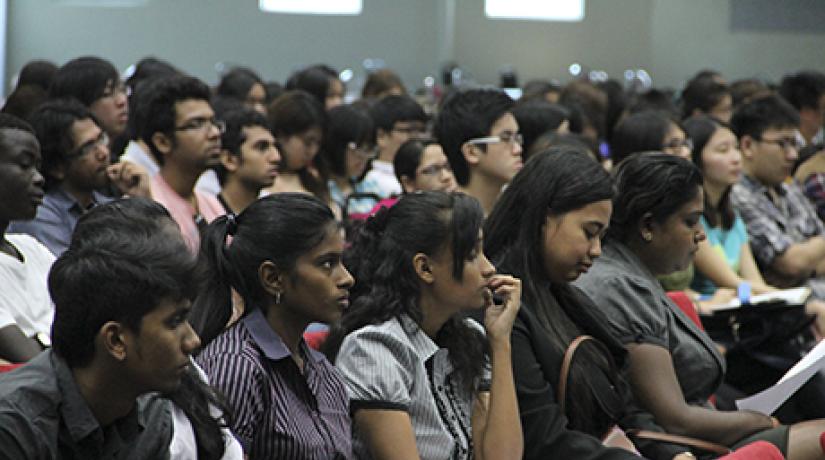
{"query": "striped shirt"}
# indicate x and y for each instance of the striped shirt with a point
(278, 412)
(396, 366)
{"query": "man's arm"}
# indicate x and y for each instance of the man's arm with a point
(15, 346)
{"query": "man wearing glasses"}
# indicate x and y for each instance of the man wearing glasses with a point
(185, 139)
(76, 165)
(786, 235)
(480, 136)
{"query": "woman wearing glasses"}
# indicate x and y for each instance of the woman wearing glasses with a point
(649, 130)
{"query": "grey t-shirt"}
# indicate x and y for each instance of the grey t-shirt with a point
(639, 311)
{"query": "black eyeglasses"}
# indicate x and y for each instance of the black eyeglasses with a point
(89, 147)
(674, 144)
(202, 124)
(784, 143)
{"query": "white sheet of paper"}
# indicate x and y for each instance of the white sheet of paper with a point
(767, 401)
(794, 296)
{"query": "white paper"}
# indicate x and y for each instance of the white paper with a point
(767, 401)
(795, 296)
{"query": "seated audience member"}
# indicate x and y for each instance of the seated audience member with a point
(786, 235)
(806, 92)
(707, 96)
(76, 164)
(745, 90)
(810, 175)
(198, 418)
(542, 89)
(674, 367)
(31, 88)
(25, 308)
(298, 120)
(724, 259)
(322, 82)
(536, 117)
(121, 299)
(480, 136)
(249, 159)
(655, 99)
(397, 119)
(282, 255)
(648, 131)
(245, 85)
(424, 381)
(349, 143)
(577, 141)
(546, 230)
(38, 73)
(588, 109)
(383, 83)
(185, 139)
(96, 84)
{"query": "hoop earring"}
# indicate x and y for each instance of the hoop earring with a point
(647, 237)
(277, 297)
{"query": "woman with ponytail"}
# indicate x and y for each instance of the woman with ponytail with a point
(424, 381)
(282, 255)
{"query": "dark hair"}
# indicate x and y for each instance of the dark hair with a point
(37, 73)
(159, 106)
(572, 141)
(387, 285)
(233, 137)
(700, 129)
(617, 101)
(744, 90)
(466, 115)
(345, 124)
(702, 95)
(553, 182)
(273, 91)
(9, 121)
(118, 267)
(804, 89)
(24, 100)
(315, 80)
(409, 156)
(762, 113)
(237, 82)
(52, 122)
(84, 78)
(539, 89)
(655, 99)
(150, 68)
(536, 117)
(591, 104)
(650, 182)
(278, 228)
(381, 81)
(640, 132)
(389, 110)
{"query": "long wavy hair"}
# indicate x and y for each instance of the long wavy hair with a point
(387, 285)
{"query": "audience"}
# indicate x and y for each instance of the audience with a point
(806, 92)
(480, 136)
(383, 83)
(249, 159)
(707, 96)
(420, 165)
(244, 85)
(423, 381)
(649, 131)
(321, 81)
(26, 311)
(536, 117)
(282, 255)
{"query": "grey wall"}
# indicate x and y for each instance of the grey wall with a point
(670, 38)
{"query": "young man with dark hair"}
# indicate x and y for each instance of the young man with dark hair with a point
(76, 164)
(185, 139)
(96, 84)
(122, 293)
(786, 235)
(25, 309)
(397, 118)
(249, 159)
(480, 137)
(806, 92)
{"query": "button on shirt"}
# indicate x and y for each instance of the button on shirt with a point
(56, 219)
(396, 366)
(278, 412)
(44, 416)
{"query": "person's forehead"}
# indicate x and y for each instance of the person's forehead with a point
(13, 141)
(783, 131)
(255, 132)
(506, 122)
(193, 108)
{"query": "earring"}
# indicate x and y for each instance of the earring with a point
(647, 237)
(277, 297)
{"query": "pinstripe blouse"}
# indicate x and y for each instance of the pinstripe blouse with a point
(277, 412)
(396, 366)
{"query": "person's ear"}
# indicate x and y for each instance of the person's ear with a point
(647, 227)
(112, 337)
(162, 142)
(271, 278)
(471, 152)
(230, 162)
(423, 268)
(746, 146)
(407, 184)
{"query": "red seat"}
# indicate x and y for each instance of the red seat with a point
(9, 367)
(315, 339)
(759, 450)
(686, 305)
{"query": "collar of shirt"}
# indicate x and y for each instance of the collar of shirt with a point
(69, 204)
(754, 186)
(384, 167)
(270, 343)
(420, 341)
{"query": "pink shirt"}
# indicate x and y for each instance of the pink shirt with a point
(183, 212)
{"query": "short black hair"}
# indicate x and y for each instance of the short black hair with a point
(536, 117)
(346, 124)
(389, 110)
(408, 158)
(466, 115)
(295, 112)
(762, 113)
(8, 121)
(237, 82)
(159, 106)
(52, 123)
(232, 139)
(123, 260)
(640, 132)
(702, 94)
(315, 80)
(38, 72)
(85, 79)
(803, 89)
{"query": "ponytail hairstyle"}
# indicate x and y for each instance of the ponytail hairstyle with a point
(278, 228)
(387, 285)
(553, 183)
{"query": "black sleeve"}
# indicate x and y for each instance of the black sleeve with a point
(636, 418)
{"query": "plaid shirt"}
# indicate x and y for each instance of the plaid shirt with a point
(815, 191)
(774, 226)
